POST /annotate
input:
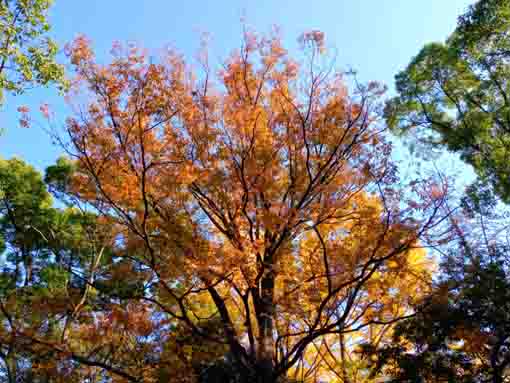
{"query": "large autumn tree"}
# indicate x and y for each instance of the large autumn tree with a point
(260, 196)
(455, 94)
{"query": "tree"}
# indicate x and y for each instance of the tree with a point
(264, 196)
(459, 335)
(461, 332)
(455, 94)
(51, 257)
(27, 55)
(66, 307)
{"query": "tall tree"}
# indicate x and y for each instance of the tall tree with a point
(456, 94)
(264, 195)
(51, 257)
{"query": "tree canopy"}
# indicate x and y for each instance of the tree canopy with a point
(455, 93)
(27, 53)
(262, 202)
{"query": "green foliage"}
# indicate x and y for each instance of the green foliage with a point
(22, 185)
(479, 199)
(59, 175)
(48, 256)
(457, 94)
(24, 210)
(27, 54)
(54, 277)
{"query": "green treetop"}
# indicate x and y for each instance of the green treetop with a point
(457, 94)
(27, 54)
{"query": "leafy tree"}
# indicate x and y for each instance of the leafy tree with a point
(264, 196)
(456, 94)
(27, 55)
(461, 332)
(461, 335)
(50, 261)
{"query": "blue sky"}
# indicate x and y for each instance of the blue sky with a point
(377, 38)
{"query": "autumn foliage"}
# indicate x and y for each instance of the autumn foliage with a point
(259, 197)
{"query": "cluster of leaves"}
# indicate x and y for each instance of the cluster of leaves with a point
(456, 93)
(460, 334)
(27, 55)
(45, 254)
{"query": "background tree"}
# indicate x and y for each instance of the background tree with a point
(456, 94)
(27, 54)
(51, 259)
(462, 330)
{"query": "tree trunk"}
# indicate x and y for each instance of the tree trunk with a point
(343, 362)
(265, 314)
(11, 369)
(497, 378)
(497, 371)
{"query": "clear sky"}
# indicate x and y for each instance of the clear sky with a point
(377, 38)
